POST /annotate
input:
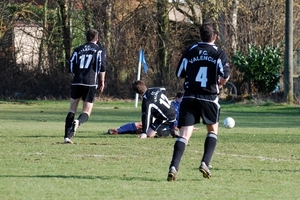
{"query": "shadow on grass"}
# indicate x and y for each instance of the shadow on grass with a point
(82, 177)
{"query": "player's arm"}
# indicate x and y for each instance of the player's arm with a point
(73, 63)
(146, 115)
(180, 71)
(101, 81)
(102, 69)
(225, 72)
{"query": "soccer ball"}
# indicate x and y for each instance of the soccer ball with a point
(228, 122)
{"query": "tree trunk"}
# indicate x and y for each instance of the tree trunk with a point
(288, 67)
(66, 28)
(43, 39)
(235, 5)
(163, 33)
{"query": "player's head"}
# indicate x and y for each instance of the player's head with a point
(92, 35)
(208, 32)
(179, 96)
(139, 87)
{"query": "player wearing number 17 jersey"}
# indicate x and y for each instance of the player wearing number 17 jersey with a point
(205, 68)
(87, 65)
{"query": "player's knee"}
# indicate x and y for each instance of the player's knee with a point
(182, 139)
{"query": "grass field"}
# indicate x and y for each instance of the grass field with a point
(258, 159)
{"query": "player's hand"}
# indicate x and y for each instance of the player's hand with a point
(143, 135)
(222, 81)
(101, 86)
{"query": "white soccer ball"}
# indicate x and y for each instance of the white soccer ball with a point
(228, 122)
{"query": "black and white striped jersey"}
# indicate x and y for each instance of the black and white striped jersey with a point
(201, 65)
(86, 63)
(156, 105)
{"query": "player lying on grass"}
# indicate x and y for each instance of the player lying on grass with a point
(136, 127)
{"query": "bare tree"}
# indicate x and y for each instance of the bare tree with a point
(42, 49)
(163, 36)
(234, 38)
(64, 6)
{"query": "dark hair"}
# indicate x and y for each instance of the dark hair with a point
(91, 35)
(139, 87)
(207, 32)
(179, 94)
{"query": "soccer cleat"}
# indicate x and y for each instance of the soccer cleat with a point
(112, 131)
(204, 170)
(75, 125)
(73, 128)
(172, 175)
(68, 141)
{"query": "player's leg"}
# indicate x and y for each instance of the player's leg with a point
(209, 148)
(87, 95)
(161, 127)
(70, 119)
(210, 117)
(167, 129)
(86, 112)
(187, 119)
(180, 144)
(129, 128)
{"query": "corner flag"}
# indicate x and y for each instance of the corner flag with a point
(142, 60)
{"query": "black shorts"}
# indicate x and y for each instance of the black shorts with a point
(86, 93)
(194, 107)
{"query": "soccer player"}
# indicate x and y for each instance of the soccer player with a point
(136, 127)
(87, 65)
(205, 68)
(155, 105)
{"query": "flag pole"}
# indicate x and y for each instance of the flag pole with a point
(138, 76)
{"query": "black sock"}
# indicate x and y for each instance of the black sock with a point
(179, 148)
(209, 147)
(68, 122)
(83, 117)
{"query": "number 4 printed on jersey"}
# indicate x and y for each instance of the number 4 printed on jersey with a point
(202, 76)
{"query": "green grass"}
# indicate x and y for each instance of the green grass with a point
(258, 159)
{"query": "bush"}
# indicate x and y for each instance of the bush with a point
(260, 66)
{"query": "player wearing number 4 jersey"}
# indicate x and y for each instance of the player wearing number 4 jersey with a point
(87, 65)
(205, 68)
(155, 105)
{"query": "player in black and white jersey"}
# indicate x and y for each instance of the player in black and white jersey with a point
(205, 68)
(155, 104)
(88, 66)
(136, 127)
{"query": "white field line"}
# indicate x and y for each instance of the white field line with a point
(101, 155)
(223, 154)
(262, 158)
(259, 157)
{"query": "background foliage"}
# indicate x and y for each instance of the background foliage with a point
(260, 67)
(125, 27)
